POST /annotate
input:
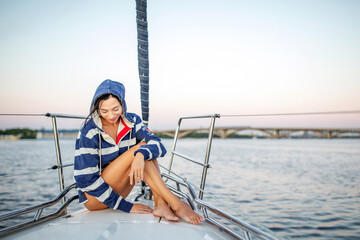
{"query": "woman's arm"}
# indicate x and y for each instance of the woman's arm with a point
(154, 148)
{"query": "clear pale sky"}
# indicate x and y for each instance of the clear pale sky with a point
(227, 57)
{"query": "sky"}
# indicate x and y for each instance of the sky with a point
(226, 57)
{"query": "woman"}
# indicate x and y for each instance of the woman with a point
(114, 150)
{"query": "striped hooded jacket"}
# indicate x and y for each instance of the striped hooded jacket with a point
(95, 149)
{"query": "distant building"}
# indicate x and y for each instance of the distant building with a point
(68, 134)
(10, 137)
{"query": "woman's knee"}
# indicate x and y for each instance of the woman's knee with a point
(94, 208)
(93, 204)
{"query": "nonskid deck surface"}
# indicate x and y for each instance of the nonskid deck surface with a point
(111, 224)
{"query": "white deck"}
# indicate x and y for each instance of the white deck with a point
(111, 224)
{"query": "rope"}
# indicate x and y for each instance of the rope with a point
(290, 114)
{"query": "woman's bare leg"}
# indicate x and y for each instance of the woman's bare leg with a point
(161, 208)
(153, 179)
(116, 175)
(127, 189)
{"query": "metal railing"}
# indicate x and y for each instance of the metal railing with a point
(208, 148)
(62, 210)
(39, 209)
(53, 117)
(248, 230)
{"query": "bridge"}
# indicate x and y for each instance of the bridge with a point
(270, 132)
(225, 132)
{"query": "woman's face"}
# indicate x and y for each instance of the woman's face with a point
(110, 109)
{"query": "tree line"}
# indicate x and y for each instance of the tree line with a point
(24, 133)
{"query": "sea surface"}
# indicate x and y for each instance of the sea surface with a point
(292, 188)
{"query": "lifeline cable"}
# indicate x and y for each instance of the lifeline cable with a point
(228, 115)
(23, 114)
(290, 114)
(25, 173)
(37, 170)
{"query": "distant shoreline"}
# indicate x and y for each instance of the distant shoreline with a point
(26, 133)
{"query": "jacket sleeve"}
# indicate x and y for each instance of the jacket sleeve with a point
(87, 175)
(154, 148)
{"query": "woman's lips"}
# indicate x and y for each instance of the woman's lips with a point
(113, 120)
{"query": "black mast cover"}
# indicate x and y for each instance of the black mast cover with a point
(143, 57)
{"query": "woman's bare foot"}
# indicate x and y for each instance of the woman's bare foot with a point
(186, 213)
(163, 210)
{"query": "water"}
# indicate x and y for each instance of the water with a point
(299, 189)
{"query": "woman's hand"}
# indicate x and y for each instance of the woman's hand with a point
(141, 208)
(137, 169)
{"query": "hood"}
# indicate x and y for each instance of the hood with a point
(115, 88)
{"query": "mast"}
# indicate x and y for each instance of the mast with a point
(143, 57)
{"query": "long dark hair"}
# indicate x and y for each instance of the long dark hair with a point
(95, 106)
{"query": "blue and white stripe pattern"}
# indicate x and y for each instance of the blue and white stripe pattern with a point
(86, 168)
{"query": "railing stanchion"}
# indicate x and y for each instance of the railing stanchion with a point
(207, 156)
(174, 145)
(208, 149)
(58, 156)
